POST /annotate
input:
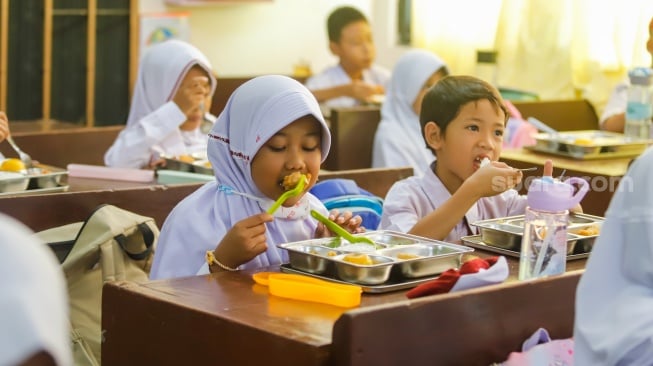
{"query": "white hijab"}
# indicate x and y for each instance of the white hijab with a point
(614, 299)
(254, 113)
(398, 140)
(33, 298)
(161, 71)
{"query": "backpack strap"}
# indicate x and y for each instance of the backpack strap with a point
(337, 187)
(148, 239)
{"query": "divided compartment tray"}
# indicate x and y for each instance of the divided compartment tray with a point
(192, 163)
(475, 241)
(589, 144)
(394, 283)
(398, 260)
(506, 232)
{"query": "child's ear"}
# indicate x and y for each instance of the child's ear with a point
(432, 135)
(335, 48)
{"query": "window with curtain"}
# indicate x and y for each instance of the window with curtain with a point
(558, 49)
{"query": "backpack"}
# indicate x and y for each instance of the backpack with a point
(346, 195)
(111, 244)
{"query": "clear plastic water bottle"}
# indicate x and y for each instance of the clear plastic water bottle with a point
(544, 243)
(640, 103)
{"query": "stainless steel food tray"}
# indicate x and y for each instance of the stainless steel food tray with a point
(506, 232)
(475, 241)
(396, 258)
(200, 164)
(589, 144)
(60, 188)
(46, 176)
(393, 283)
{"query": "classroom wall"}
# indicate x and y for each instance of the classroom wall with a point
(267, 37)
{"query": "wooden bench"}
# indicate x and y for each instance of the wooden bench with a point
(562, 115)
(64, 146)
(475, 327)
(352, 137)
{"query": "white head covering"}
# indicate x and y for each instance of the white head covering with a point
(254, 113)
(161, 71)
(33, 298)
(614, 299)
(398, 140)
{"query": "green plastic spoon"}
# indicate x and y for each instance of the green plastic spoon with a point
(287, 194)
(340, 231)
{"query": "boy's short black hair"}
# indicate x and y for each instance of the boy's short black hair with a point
(443, 101)
(340, 18)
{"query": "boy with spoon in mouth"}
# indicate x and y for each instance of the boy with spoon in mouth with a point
(463, 121)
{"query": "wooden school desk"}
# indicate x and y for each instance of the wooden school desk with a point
(602, 174)
(225, 318)
(45, 211)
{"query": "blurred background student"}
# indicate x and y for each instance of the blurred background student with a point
(355, 79)
(34, 325)
(398, 141)
(171, 101)
(614, 114)
(614, 298)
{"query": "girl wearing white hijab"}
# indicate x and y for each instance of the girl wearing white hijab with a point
(271, 127)
(614, 298)
(34, 325)
(173, 91)
(398, 141)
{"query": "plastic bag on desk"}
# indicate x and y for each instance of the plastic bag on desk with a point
(519, 132)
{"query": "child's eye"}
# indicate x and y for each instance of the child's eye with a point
(472, 128)
(276, 148)
(498, 133)
(311, 148)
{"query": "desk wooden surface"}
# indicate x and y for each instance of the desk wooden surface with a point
(616, 167)
(224, 318)
(603, 175)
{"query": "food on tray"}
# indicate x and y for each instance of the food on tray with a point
(583, 141)
(590, 230)
(407, 256)
(186, 158)
(12, 165)
(358, 258)
(291, 180)
(330, 253)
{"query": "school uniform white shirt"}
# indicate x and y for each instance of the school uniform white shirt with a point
(398, 140)
(410, 199)
(336, 75)
(614, 299)
(153, 124)
(256, 111)
(617, 102)
(33, 298)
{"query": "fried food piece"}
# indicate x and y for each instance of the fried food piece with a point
(590, 230)
(407, 256)
(185, 158)
(291, 180)
(358, 258)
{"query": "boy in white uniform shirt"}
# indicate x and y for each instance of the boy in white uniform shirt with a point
(463, 119)
(355, 79)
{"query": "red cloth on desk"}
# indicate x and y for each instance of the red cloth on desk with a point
(445, 282)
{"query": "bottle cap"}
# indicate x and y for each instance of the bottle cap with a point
(547, 194)
(641, 76)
